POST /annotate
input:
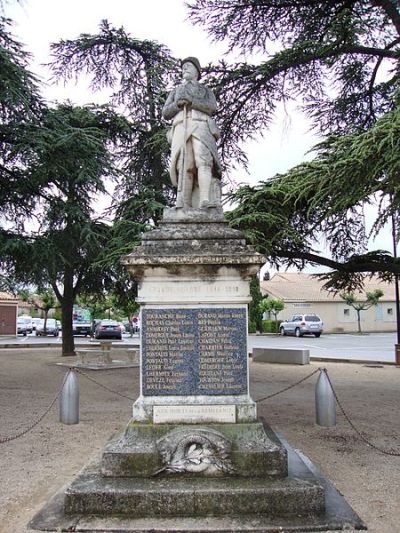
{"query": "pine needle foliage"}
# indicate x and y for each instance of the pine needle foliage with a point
(137, 74)
(330, 54)
(322, 200)
(341, 62)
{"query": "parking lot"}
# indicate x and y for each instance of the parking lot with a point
(372, 347)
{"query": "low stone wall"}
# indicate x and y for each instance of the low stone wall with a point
(289, 356)
(101, 356)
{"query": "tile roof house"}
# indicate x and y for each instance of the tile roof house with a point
(8, 314)
(304, 293)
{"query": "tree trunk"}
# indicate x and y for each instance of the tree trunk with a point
(68, 344)
(46, 312)
(359, 321)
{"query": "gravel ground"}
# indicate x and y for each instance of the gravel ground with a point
(36, 465)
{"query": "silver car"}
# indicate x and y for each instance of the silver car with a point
(299, 325)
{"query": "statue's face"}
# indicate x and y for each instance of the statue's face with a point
(189, 72)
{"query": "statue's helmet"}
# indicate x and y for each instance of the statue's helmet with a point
(194, 62)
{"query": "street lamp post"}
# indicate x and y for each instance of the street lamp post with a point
(396, 291)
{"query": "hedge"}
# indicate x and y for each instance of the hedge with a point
(271, 326)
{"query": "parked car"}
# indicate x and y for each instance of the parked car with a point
(22, 328)
(108, 329)
(300, 325)
(81, 328)
(28, 322)
(51, 328)
(35, 322)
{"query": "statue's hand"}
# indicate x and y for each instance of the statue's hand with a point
(183, 102)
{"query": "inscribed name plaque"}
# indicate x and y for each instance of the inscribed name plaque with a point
(175, 414)
(201, 351)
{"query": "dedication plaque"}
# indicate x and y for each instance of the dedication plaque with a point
(201, 351)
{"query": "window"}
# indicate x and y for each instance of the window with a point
(390, 311)
(346, 312)
(312, 318)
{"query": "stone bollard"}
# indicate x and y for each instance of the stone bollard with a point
(325, 404)
(69, 400)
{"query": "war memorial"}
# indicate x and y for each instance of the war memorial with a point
(194, 457)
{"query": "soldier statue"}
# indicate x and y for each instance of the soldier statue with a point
(195, 166)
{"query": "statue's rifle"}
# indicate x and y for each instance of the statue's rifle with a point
(182, 171)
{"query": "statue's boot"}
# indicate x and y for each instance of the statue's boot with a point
(184, 195)
(204, 179)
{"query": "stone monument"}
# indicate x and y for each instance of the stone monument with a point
(194, 456)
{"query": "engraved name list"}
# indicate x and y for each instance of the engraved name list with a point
(200, 351)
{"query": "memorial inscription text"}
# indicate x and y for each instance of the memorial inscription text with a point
(199, 351)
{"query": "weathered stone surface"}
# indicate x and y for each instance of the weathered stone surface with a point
(192, 263)
(338, 515)
(255, 450)
(289, 356)
(200, 242)
(93, 494)
(203, 216)
(201, 229)
(195, 167)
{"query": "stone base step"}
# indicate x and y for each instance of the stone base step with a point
(91, 493)
(338, 515)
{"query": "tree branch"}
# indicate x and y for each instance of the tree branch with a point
(375, 72)
(57, 291)
(355, 264)
(389, 7)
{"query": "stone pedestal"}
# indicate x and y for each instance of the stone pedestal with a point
(193, 273)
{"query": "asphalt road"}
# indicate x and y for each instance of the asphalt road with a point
(32, 340)
(371, 347)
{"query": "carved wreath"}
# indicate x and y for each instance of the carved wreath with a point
(195, 451)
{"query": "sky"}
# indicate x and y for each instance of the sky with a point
(40, 22)
(37, 23)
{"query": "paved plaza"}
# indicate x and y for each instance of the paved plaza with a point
(37, 464)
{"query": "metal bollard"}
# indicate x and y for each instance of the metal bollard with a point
(69, 400)
(325, 404)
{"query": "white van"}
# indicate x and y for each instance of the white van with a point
(28, 322)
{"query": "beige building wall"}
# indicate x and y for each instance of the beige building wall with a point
(340, 318)
(303, 293)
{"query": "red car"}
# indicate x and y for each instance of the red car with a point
(108, 329)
